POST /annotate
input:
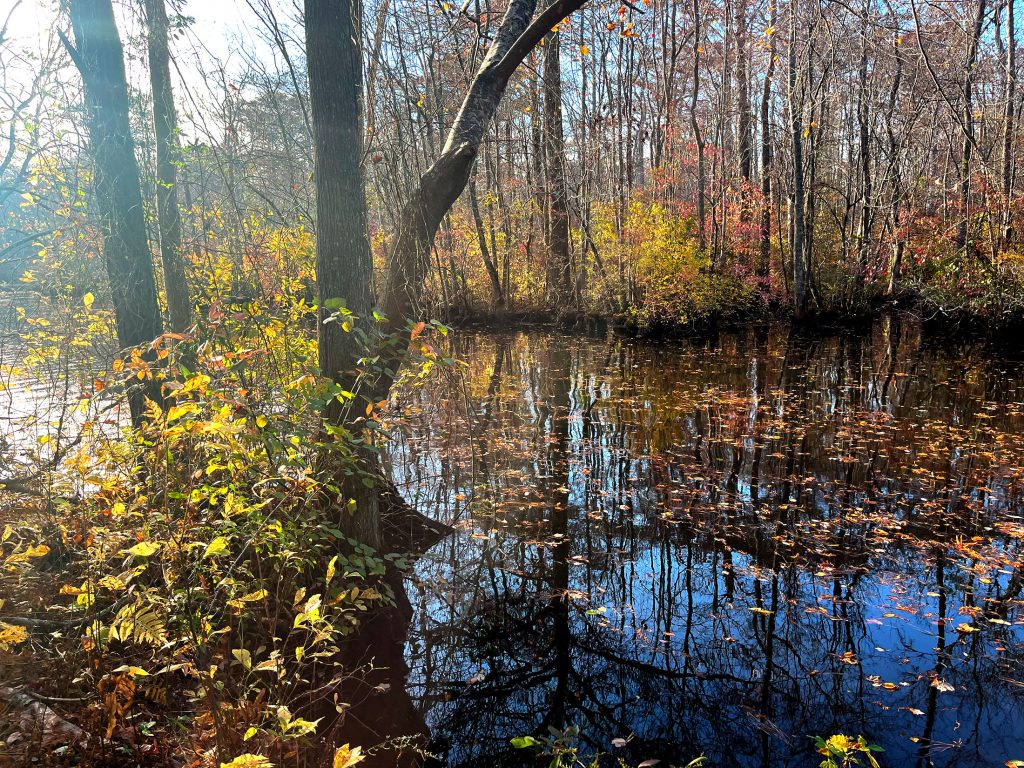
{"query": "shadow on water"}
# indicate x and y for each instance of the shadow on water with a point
(720, 547)
(378, 711)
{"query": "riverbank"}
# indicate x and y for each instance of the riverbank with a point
(1006, 326)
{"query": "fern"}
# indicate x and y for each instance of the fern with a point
(139, 623)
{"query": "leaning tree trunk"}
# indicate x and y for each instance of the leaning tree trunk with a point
(98, 54)
(444, 181)
(179, 305)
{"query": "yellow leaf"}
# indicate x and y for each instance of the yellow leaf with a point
(216, 547)
(248, 760)
(261, 421)
(177, 411)
(345, 756)
(144, 549)
(585, 50)
(11, 634)
(133, 671)
(88, 299)
(20, 557)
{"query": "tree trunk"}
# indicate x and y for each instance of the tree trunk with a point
(895, 179)
(344, 266)
(967, 149)
(698, 136)
(765, 229)
(797, 141)
(497, 297)
(743, 97)
(179, 305)
(556, 227)
(98, 54)
(1009, 97)
(863, 124)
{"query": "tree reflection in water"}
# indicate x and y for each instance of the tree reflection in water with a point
(721, 547)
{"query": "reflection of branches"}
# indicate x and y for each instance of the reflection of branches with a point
(818, 503)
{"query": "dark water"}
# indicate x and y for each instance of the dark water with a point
(722, 547)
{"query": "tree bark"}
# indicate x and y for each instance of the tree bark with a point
(556, 227)
(967, 149)
(98, 54)
(165, 121)
(745, 118)
(797, 144)
(344, 265)
(698, 135)
(1009, 125)
(864, 246)
(765, 229)
(497, 296)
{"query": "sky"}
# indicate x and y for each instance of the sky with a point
(222, 34)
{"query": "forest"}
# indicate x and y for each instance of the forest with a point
(510, 383)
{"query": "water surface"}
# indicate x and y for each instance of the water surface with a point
(721, 547)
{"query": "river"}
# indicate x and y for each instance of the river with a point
(721, 547)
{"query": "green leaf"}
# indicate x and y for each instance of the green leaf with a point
(522, 742)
